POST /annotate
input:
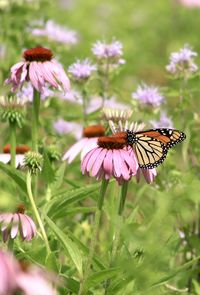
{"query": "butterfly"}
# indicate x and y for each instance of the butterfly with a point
(151, 146)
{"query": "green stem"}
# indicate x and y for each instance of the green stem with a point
(105, 83)
(94, 237)
(35, 120)
(118, 226)
(13, 143)
(35, 210)
(84, 97)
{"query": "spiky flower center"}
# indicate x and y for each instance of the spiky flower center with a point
(111, 142)
(20, 209)
(38, 54)
(94, 131)
(20, 149)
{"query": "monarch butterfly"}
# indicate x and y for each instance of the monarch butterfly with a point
(151, 146)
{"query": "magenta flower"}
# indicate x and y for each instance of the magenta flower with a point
(182, 62)
(14, 223)
(82, 70)
(110, 159)
(57, 33)
(8, 270)
(87, 143)
(148, 95)
(39, 68)
(164, 122)
(65, 127)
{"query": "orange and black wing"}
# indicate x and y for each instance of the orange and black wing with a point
(151, 146)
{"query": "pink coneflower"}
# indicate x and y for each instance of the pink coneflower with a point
(5, 157)
(190, 3)
(87, 143)
(39, 68)
(149, 174)
(8, 270)
(33, 280)
(110, 159)
(14, 223)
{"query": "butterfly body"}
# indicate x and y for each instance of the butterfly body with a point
(151, 146)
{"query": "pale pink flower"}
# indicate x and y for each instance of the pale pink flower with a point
(8, 270)
(148, 95)
(163, 122)
(112, 50)
(190, 3)
(39, 68)
(84, 145)
(149, 174)
(34, 281)
(12, 224)
(110, 159)
(5, 157)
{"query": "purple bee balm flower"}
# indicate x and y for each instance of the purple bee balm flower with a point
(85, 144)
(148, 95)
(65, 127)
(110, 159)
(57, 33)
(182, 62)
(82, 70)
(13, 224)
(39, 68)
(26, 93)
(72, 96)
(164, 122)
(104, 50)
(8, 270)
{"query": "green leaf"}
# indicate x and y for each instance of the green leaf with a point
(98, 263)
(196, 287)
(101, 276)
(74, 210)
(51, 262)
(61, 202)
(47, 170)
(69, 246)
(16, 175)
(58, 178)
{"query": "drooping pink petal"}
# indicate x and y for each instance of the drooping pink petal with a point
(6, 221)
(5, 158)
(75, 149)
(60, 75)
(46, 70)
(33, 77)
(131, 160)
(108, 163)
(91, 144)
(93, 158)
(97, 165)
(15, 225)
(32, 224)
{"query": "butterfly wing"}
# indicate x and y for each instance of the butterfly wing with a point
(151, 146)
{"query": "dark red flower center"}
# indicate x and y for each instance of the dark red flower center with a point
(38, 54)
(20, 209)
(110, 142)
(20, 149)
(94, 131)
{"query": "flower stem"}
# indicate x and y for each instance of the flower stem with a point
(35, 210)
(35, 120)
(105, 83)
(116, 239)
(84, 97)
(97, 218)
(13, 143)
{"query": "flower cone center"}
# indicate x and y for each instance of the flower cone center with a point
(20, 149)
(110, 142)
(94, 131)
(20, 209)
(38, 54)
